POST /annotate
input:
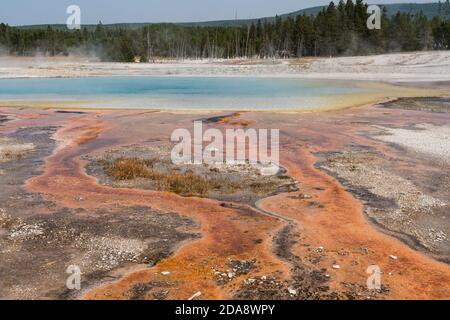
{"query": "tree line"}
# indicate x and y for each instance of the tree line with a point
(337, 30)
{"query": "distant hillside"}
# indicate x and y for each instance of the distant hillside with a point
(429, 9)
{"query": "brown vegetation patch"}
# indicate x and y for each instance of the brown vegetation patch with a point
(152, 169)
(186, 184)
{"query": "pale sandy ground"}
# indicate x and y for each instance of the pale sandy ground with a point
(426, 139)
(405, 67)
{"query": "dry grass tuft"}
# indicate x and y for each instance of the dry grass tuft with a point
(186, 184)
(12, 150)
(127, 169)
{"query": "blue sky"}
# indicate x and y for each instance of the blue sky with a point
(20, 12)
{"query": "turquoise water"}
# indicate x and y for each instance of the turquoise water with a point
(177, 92)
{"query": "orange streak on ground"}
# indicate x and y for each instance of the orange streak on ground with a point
(225, 233)
(339, 227)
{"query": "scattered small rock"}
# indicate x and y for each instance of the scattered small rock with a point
(195, 295)
(78, 198)
(292, 292)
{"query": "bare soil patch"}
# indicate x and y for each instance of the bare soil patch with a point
(401, 205)
(39, 240)
(431, 104)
